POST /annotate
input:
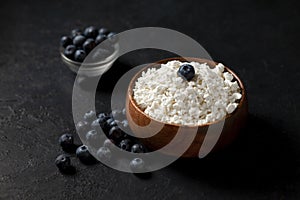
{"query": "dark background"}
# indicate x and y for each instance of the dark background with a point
(258, 39)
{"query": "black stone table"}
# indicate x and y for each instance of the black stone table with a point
(259, 39)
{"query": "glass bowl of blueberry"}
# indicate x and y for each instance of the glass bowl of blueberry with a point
(93, 49)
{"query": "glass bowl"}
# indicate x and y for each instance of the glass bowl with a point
(97, 62)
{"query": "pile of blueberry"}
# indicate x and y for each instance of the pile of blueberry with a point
(116, 136)
(79, 43)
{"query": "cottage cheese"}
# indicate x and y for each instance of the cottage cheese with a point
(208, 97)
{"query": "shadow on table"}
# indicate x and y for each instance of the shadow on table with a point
(262, 157)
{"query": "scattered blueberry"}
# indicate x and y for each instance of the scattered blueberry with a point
(78, 40)
(116, 114)
(89, 116)
(104, 154)
(88, 45)
(125, 145)
(63, 163)
(82, 126)
(75, 32)
(137, 148)
(103, 31)
(69, 51)
(91, 136)
(91, 32)
(85, 156)
(186, 71)
(114, 123)
(116, 134)
(106, 125)
(124, 123)
(108, 143)
(103, 117)
(65, 41)
(137, 165)
(95, 124)
(66, 141)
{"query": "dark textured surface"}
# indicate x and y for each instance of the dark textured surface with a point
(259, 39)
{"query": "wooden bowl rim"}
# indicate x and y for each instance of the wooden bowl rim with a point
(185, 59)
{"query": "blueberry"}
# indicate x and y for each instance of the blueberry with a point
(124, 123)
(85, 156)
(112, 37)
(116, 134)
(114, 123)
(76, 32)
(88, 45)
(90, 32)
(116, 114)
(137, 148)
(104, 154)
(63, 163)
(124, 111)
(66, 141)
(92, 136)
(65, 41)
(103, 117)
(78, 40)
(106, 125)
(125, 144)
(186, 71)
(69, 51)
(103, 31)
(89, 116)
(100, 38)
(137, 165)
(95, 124)
(79, 55)
(108, 143)
(82, 126)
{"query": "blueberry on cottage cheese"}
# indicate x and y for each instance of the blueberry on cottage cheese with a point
(208, 97)
(186, 71)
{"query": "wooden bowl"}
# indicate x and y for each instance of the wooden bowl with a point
(137, 119)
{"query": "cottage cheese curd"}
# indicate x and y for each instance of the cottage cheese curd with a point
(166, 97)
